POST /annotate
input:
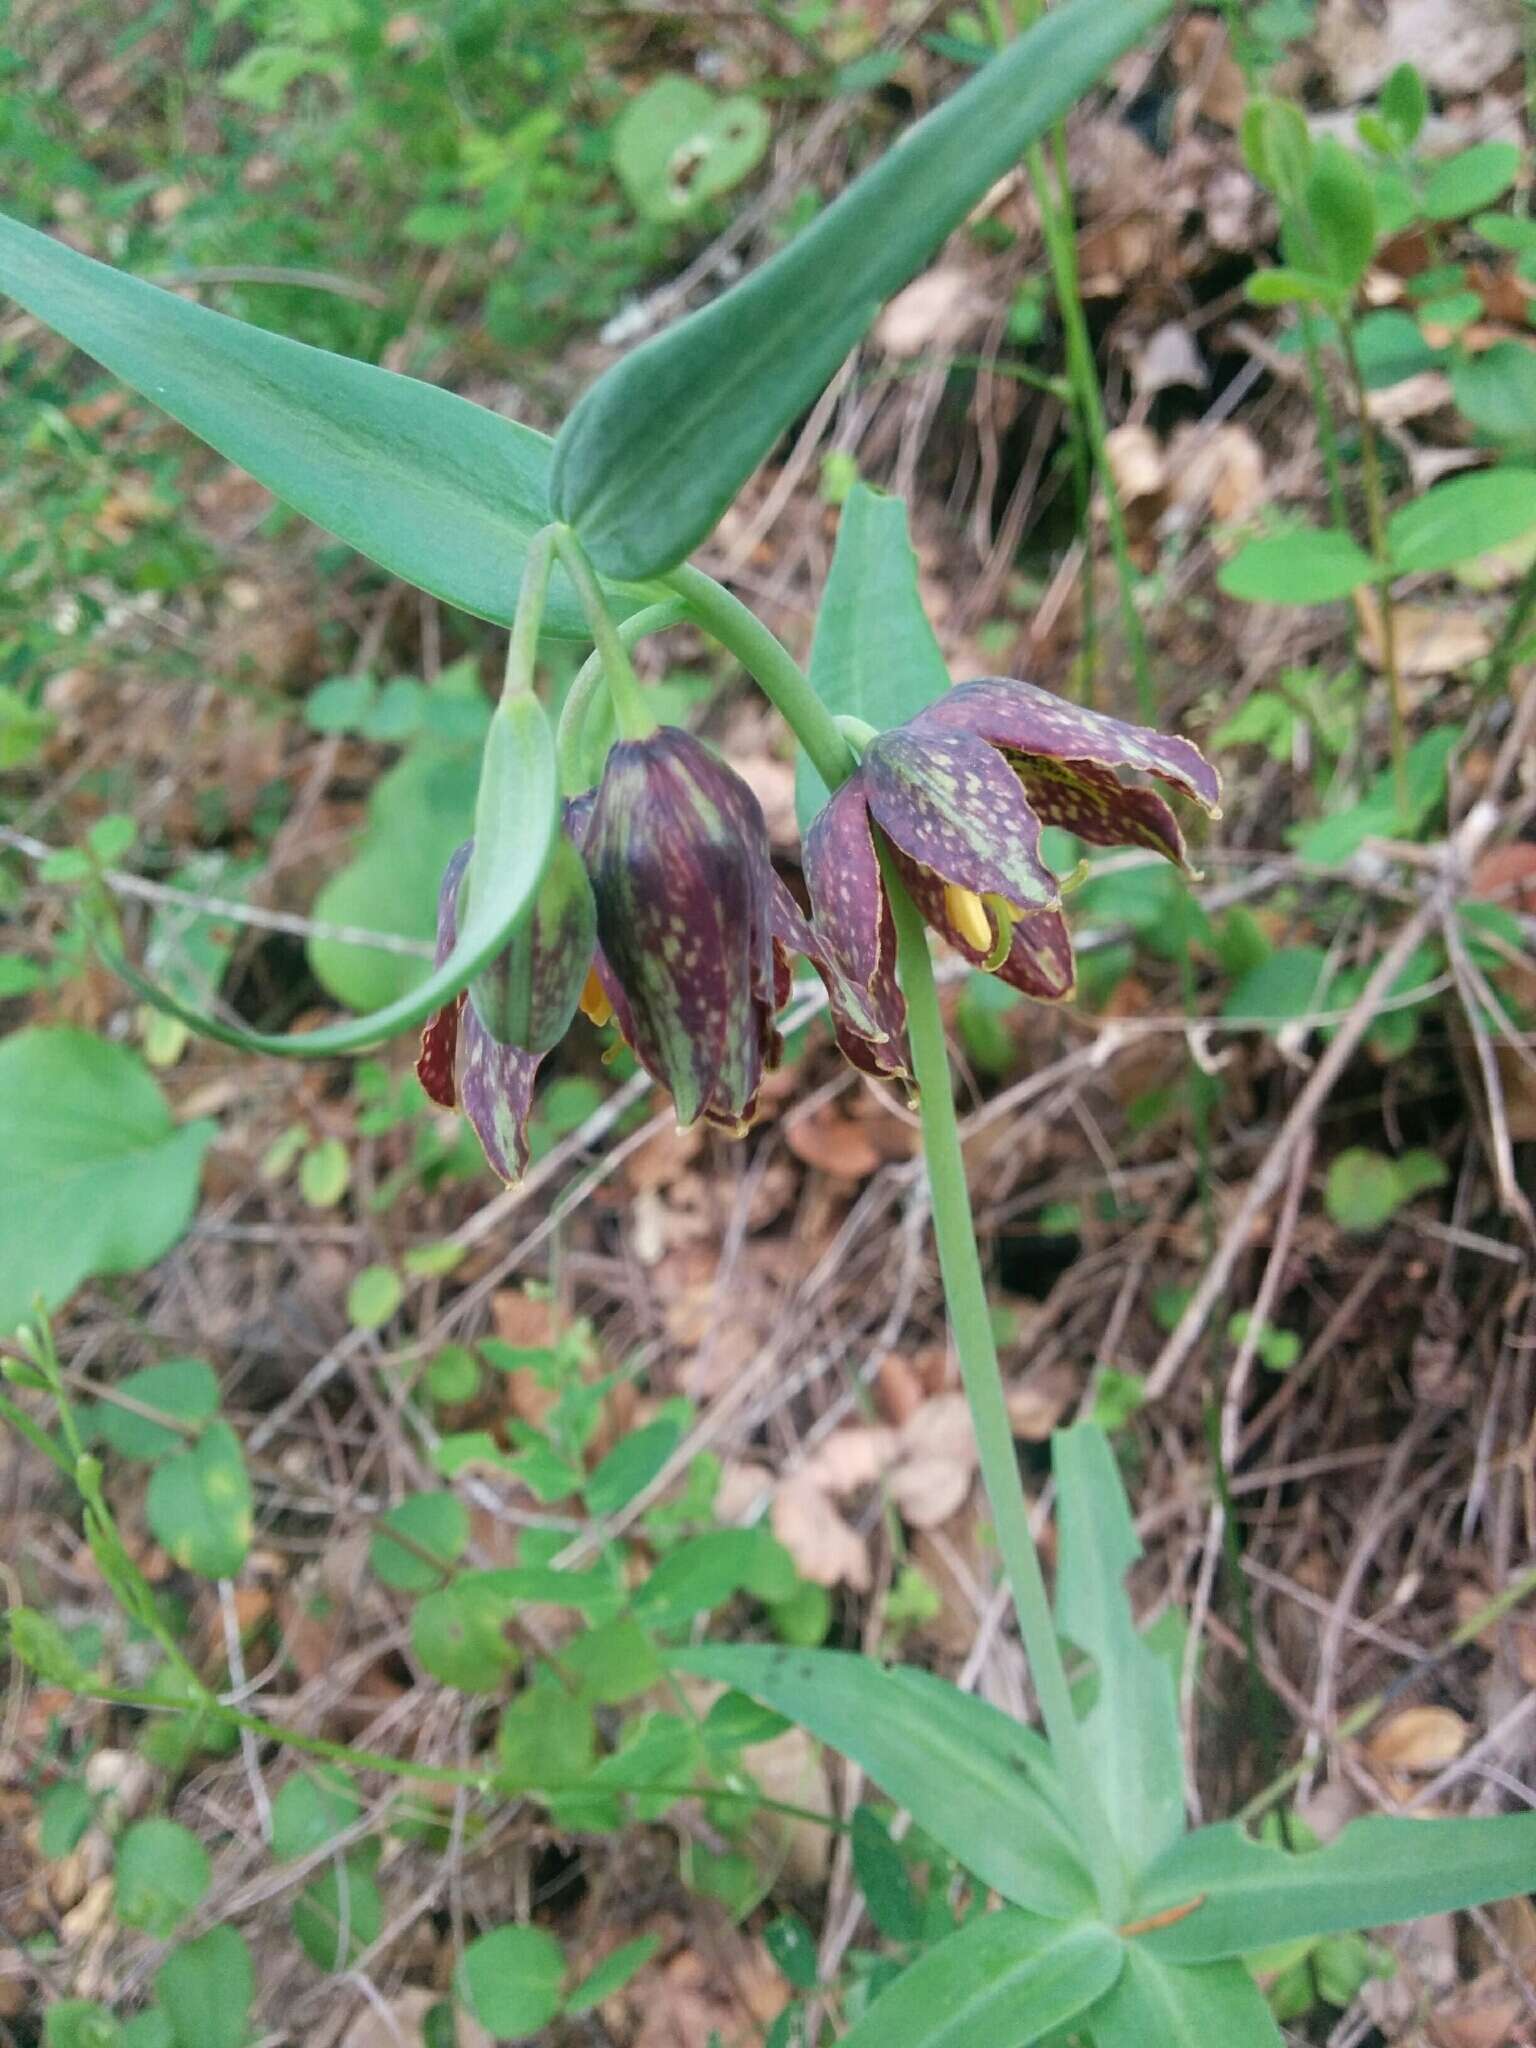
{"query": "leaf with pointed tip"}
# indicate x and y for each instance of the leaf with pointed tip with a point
(1218, 2006)
(660, 445)
(440, 492)
(1377, 1871)
(874, 656)
(980, 1784)
(1132, 1731)
(1002, 1981)
(517, 814)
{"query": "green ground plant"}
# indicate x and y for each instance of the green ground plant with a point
(1117, 1923)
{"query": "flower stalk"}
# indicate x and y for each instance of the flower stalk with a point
(629, 706)
(970, 1320)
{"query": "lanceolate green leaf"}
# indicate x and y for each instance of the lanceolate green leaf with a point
(1003, 1981)
(439, 491)
(657, 449)
(875, 656)
(1154, 2003)
(1133, 1729)
(517, 814)
(1377, 1871)
(966, 1773)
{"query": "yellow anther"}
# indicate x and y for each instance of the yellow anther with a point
(967, 913)
(594, 1003)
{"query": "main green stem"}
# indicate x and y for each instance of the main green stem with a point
(965, 1293)
(772, 668)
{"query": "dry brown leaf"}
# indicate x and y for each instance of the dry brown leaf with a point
(851, 1459)
(1419, 1739)
(1222, 470)
(833, 1143)
(898, 1390)
(1039, 1401)
(791, 1768)
(1168, 358)
(935, 311)
(1429, 640)
(1457, 49)
(404, 2020)
(825, 1549)
(1136, 462)
(1410, 398)
(1483, 2020)
(927, 1491)
(941, 1428)
(1203, 60)
(1507, 875)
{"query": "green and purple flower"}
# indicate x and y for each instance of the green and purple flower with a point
(693, 931)
(956, 799)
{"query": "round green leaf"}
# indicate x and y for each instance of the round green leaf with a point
(1366, 1189)
(187, 1388)
(438, 1522)
(162, 1873)
(454, 1374)
(1312, 565)
(373, 1297)
(510, 1980)
(676, 146)
(457, 1636)
(311, 1809)
(79, 2023)
(97, 1178)
(199, 1505)
(1472, 178)
(148, 2029)
(324, 1174)
(343, 1896)
(206, 1990)
(1496, 389)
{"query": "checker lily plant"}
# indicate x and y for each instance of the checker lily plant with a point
(634, 884)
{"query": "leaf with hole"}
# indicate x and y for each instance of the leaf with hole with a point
(457, 1635)
(98, 1176)
(677, 145)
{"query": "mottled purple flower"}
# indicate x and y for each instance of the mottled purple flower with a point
(691, 961)
(955, 799)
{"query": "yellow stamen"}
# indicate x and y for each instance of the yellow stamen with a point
(594, 1003)
(967, 913)
(1002, 946)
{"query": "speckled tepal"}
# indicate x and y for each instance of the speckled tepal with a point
(677, 850)
(954, 802)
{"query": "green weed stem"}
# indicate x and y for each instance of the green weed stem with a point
(1376, 527)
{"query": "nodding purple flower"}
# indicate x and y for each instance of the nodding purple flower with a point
(693, 931)
(955, 799)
